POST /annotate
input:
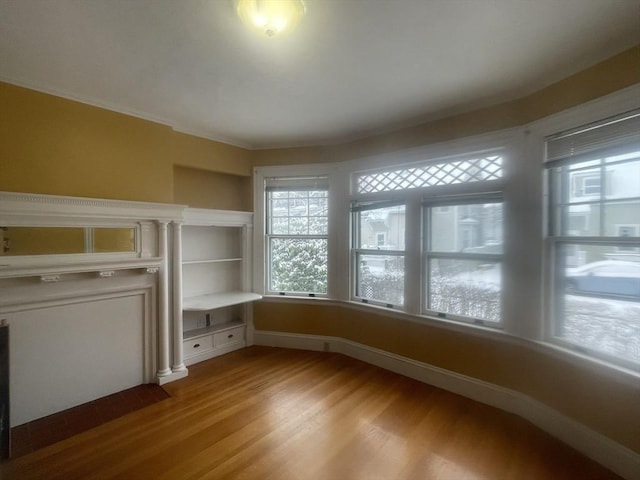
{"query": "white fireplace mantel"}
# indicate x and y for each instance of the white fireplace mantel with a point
(114, 305)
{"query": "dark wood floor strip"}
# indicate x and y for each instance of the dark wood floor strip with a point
(40, 433)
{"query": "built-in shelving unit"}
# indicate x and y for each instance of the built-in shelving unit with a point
(204, 331)
(215, 280)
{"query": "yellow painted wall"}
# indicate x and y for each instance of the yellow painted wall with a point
(204, 189)
(56, 146)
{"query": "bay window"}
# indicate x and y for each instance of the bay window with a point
(473, 232)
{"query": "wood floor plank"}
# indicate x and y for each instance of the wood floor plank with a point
(276, 414)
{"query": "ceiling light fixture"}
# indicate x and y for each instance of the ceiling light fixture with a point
(271, 17)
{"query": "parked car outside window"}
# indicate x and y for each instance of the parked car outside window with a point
(605, 278)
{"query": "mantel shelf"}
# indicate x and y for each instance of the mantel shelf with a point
(17, 271)
(211, 301)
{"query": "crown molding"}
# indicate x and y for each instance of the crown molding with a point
(28, 208)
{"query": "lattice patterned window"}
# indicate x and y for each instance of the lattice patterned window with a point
(447, 173)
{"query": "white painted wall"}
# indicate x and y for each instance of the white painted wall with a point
(73, 352)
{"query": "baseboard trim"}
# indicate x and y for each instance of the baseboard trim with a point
(172, 377)
(594, 445)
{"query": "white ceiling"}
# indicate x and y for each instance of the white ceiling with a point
(353, 67)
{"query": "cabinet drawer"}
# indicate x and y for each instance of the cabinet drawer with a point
(197, 345)
(229, 336)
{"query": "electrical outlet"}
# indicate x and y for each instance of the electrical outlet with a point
(201, 323)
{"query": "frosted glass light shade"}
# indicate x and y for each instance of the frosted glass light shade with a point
(271, 18)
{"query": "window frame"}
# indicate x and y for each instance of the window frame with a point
(494, 144)
(270, 236)
(557, 237)
(357, 251)
(431, 205)
(260, 241)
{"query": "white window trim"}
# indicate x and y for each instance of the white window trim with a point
(480, 197)
(590, 112)
(260, 254)
(356, 251)
(506, 142)
(527, 312)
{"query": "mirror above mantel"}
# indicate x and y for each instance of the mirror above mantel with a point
(47, 234)
(32, 240)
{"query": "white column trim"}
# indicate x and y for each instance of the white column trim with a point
(178, 361)
(163, 303)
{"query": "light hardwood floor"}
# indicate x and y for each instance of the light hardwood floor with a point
(267, 413)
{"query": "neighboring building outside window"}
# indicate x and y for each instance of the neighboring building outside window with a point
(379, 267)
(596, 263)
(463, 259)
(586, 185)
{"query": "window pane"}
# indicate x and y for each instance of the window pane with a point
(598, 299)
(474, 228)
(622, 219)
(623, 180)
(587, 210)
(584, 184)
(623, 157)
(318, 204)
(470, 288)
(381, 278)
(298, 225)
(279, 225)
(382, 228)
(298, 265)
(297, 212)
(581, 220)
(317, 225)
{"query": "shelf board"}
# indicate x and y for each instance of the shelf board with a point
(211, 301)
(221, 327)
(95, 266)
(212, 260)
